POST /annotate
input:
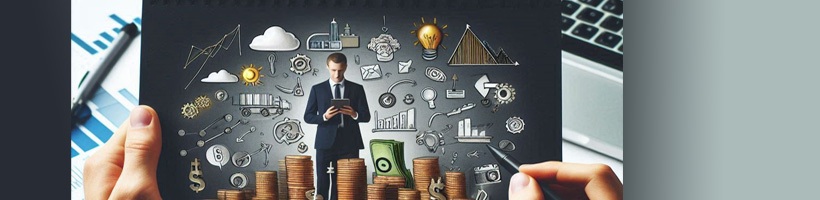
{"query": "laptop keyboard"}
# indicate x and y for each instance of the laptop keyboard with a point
(597, 22)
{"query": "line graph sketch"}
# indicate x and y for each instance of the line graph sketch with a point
(212, 50)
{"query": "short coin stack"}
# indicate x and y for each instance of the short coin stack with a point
(408, 194)
(234, 195)
(425, 169)
(220, 194)
(351, 175)
(376, 192)
(249, 194)
(266, 185)
(300, 175)
(393, 184)
(455, 186)
(283, 179)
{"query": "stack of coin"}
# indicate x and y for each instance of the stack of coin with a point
(425, 169)
(300, 175)
(220, 194)
(376, 191)
(351, 179)
(393, 185)
(249, 193)
(408, 194)
(283, 179)
(455, 186)
(234, 195)
(266, 185)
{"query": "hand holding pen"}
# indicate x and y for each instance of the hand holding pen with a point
(558, 180)
(568, 180)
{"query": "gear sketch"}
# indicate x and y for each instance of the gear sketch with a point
(300, 64)
(504, 93)
(189, 111)
(515, 125)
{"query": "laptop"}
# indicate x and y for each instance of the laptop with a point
(592, 74)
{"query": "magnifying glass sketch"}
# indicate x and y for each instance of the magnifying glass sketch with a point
(429, 94)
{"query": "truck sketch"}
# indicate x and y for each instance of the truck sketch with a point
(264, 104)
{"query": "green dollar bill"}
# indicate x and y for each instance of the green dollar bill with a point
(388, 159)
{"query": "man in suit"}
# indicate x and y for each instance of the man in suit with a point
(337, 135)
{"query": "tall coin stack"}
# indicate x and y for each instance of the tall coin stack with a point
(455, 186)
(393, 184)
(408, 194)
(425, 169)
(266, 185)
(376, 192)
(351, 182)
(283, 179)
(300, 175)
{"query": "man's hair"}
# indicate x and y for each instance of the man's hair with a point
(337, 58)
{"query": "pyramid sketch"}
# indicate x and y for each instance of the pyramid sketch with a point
(472, 51)
(502, 58)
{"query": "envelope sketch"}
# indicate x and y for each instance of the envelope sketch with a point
(370, 72)
(404, 67)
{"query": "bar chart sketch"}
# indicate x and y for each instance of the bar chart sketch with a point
(467, 133)
(404, 121)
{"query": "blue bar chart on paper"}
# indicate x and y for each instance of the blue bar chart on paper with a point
(105, 37)
(95, 25)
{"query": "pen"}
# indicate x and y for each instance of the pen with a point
(96, 76)
(511, 164)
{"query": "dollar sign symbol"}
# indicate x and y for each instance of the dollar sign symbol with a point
(196, 177)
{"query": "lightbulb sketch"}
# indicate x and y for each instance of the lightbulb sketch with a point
(429, 35)
(212, 50)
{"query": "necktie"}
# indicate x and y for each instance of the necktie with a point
(338, 95)
(338, 92)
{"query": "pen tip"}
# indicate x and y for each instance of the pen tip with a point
(494, 151)
(130, 29)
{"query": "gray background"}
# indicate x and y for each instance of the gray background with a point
(721, 100)
(518, 29)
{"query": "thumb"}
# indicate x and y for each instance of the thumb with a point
(523, 186)
(143, 142)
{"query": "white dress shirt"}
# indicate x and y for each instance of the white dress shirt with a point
(333, 94)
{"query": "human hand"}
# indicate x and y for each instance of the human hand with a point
(347, 110)
(125, 167)
(568, 180)
(330, 112)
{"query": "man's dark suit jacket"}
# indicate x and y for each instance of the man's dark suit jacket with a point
(319, 102)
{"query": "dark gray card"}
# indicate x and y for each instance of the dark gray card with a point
(523, 99)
